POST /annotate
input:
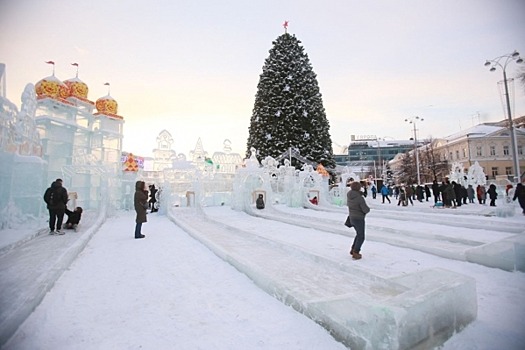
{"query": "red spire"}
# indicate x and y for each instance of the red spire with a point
(285, 25)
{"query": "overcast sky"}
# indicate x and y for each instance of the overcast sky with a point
(192, 67)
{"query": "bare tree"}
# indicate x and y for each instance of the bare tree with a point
(407, 169)
(433, 164)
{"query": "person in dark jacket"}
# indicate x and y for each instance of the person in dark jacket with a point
(519, 194)
(141, 205)
(493, 195)
(73, 218)
(449, 196)
(409, 192)
(457, 193)
(357, 210)
(259, 202)
(427, 192)
(435, 191)
(56, 200)
(419, 193)
(470, 194)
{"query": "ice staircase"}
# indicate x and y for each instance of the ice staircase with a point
(360, 309)
(507, 254)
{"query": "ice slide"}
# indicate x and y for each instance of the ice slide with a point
(360, 309)
(506, 253)
(29, 269)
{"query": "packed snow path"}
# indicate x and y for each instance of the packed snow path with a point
(106, 299)
(166, 291)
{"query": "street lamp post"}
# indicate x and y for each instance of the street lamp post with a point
(515, 56)
(414, 120)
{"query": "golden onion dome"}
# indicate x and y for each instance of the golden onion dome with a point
(107, 104)
(51, 87)
(77, 88)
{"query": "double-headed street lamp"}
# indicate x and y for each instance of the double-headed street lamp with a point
(505, 59)
(414, 120)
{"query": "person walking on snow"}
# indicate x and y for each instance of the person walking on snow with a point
(374, 191)
(357, 210)
(141, 205)
(385, 192)
(56, 200)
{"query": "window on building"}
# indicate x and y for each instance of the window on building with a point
(464, 153)
(457, 154)
(508, 170)
(494, 171)
(520, 150)
(492, 150)
(450, 155)
(479, 151)
(505, 150)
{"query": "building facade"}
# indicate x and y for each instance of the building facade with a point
(370, 155)
(488, 144)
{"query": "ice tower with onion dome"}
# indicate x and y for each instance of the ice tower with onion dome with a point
(81, 144)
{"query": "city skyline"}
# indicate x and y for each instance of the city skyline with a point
(193, 68)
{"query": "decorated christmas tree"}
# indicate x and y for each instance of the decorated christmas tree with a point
(288, 113)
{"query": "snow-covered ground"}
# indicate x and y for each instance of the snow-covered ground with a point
(168, 291)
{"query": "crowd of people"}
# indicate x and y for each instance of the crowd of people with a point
(448, 194)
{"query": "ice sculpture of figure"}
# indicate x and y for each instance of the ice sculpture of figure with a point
(252, 162)
(476, 176)
(457, 174)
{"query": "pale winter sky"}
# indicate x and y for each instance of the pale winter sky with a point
(192, 67)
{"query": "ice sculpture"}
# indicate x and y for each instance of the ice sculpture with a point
(249, 182)
(22, 169)
(457, 174)
(476, 176)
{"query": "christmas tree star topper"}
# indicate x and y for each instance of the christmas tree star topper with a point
(285, 25)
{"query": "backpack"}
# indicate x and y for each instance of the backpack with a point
(54, 196)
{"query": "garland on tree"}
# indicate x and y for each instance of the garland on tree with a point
(288, 112)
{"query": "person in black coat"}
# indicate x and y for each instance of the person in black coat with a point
(73, 218)
(457, 193)
(493, 195)
(435, 191)
(520, 196)
(56, 200)
(140, 201)
(427, 192)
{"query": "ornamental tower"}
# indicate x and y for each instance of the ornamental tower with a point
(82, 146)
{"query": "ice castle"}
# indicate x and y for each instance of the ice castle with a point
(58, 133)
